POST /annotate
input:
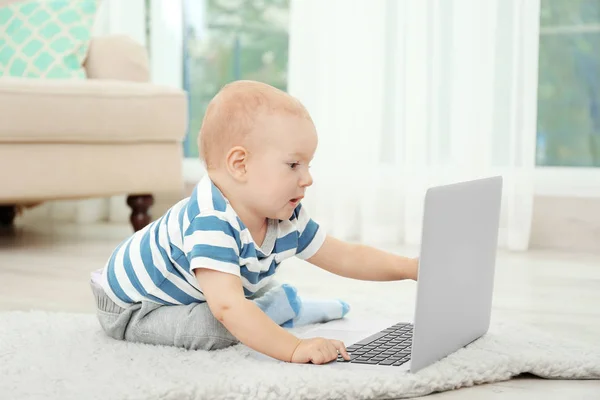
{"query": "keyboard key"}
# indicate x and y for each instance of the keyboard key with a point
(390, 338)
(372, 338)
(387, 362)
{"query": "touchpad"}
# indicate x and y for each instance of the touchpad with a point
(346, 336)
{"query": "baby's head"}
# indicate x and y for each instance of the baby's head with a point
(257, 142)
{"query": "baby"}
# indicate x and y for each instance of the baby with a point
(198, 277)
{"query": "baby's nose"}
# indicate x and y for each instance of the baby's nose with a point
(307, 179)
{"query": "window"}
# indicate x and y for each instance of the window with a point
(568, 132)
(227, 40)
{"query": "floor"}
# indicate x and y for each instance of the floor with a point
(47, 266)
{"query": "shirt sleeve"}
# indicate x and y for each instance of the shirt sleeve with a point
(212, 242)
(310, 235)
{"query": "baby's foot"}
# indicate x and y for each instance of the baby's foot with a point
(281, 303)
(313, 311)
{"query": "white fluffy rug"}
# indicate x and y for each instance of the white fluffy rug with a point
(66, 356)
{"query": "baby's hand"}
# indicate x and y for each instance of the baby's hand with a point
(319, 351)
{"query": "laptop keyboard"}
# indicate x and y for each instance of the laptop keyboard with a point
(391, 346)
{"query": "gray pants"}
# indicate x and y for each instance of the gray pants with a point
(189, 326)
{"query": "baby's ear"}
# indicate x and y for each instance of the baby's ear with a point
(236, 161)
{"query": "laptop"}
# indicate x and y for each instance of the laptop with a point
(454, 285)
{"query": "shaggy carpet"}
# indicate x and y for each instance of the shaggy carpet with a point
(66, 356)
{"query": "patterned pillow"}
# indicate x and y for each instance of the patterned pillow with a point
(46, 38)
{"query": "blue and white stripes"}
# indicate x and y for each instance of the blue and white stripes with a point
(203, 231)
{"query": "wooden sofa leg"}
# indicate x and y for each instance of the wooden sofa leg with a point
(7, 215)
(140, 204)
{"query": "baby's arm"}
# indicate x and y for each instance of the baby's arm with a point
(222, 287)
(244, 320)
(248, 323)
(363, 262)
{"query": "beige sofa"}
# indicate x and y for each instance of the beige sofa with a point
(113, 133)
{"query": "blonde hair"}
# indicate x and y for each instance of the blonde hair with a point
(231, 115)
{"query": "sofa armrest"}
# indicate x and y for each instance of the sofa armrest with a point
(117, 57)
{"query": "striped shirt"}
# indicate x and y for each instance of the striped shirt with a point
(157, 263)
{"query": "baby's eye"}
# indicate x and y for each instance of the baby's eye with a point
(293, 165)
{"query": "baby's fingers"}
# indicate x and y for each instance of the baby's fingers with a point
(341, 348)
(320, 357)
(333, 352)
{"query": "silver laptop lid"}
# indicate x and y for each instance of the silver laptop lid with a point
(456, 271)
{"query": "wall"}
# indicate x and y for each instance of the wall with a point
(566, 223)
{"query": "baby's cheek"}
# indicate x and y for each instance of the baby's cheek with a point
(271, 182)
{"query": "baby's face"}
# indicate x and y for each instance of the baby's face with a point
(278, 167)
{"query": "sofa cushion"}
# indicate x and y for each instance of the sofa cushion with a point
(48, 38)
(71, 171)
(101, 111)
(117, 57)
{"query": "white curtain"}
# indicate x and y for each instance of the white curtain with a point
(407, 94)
